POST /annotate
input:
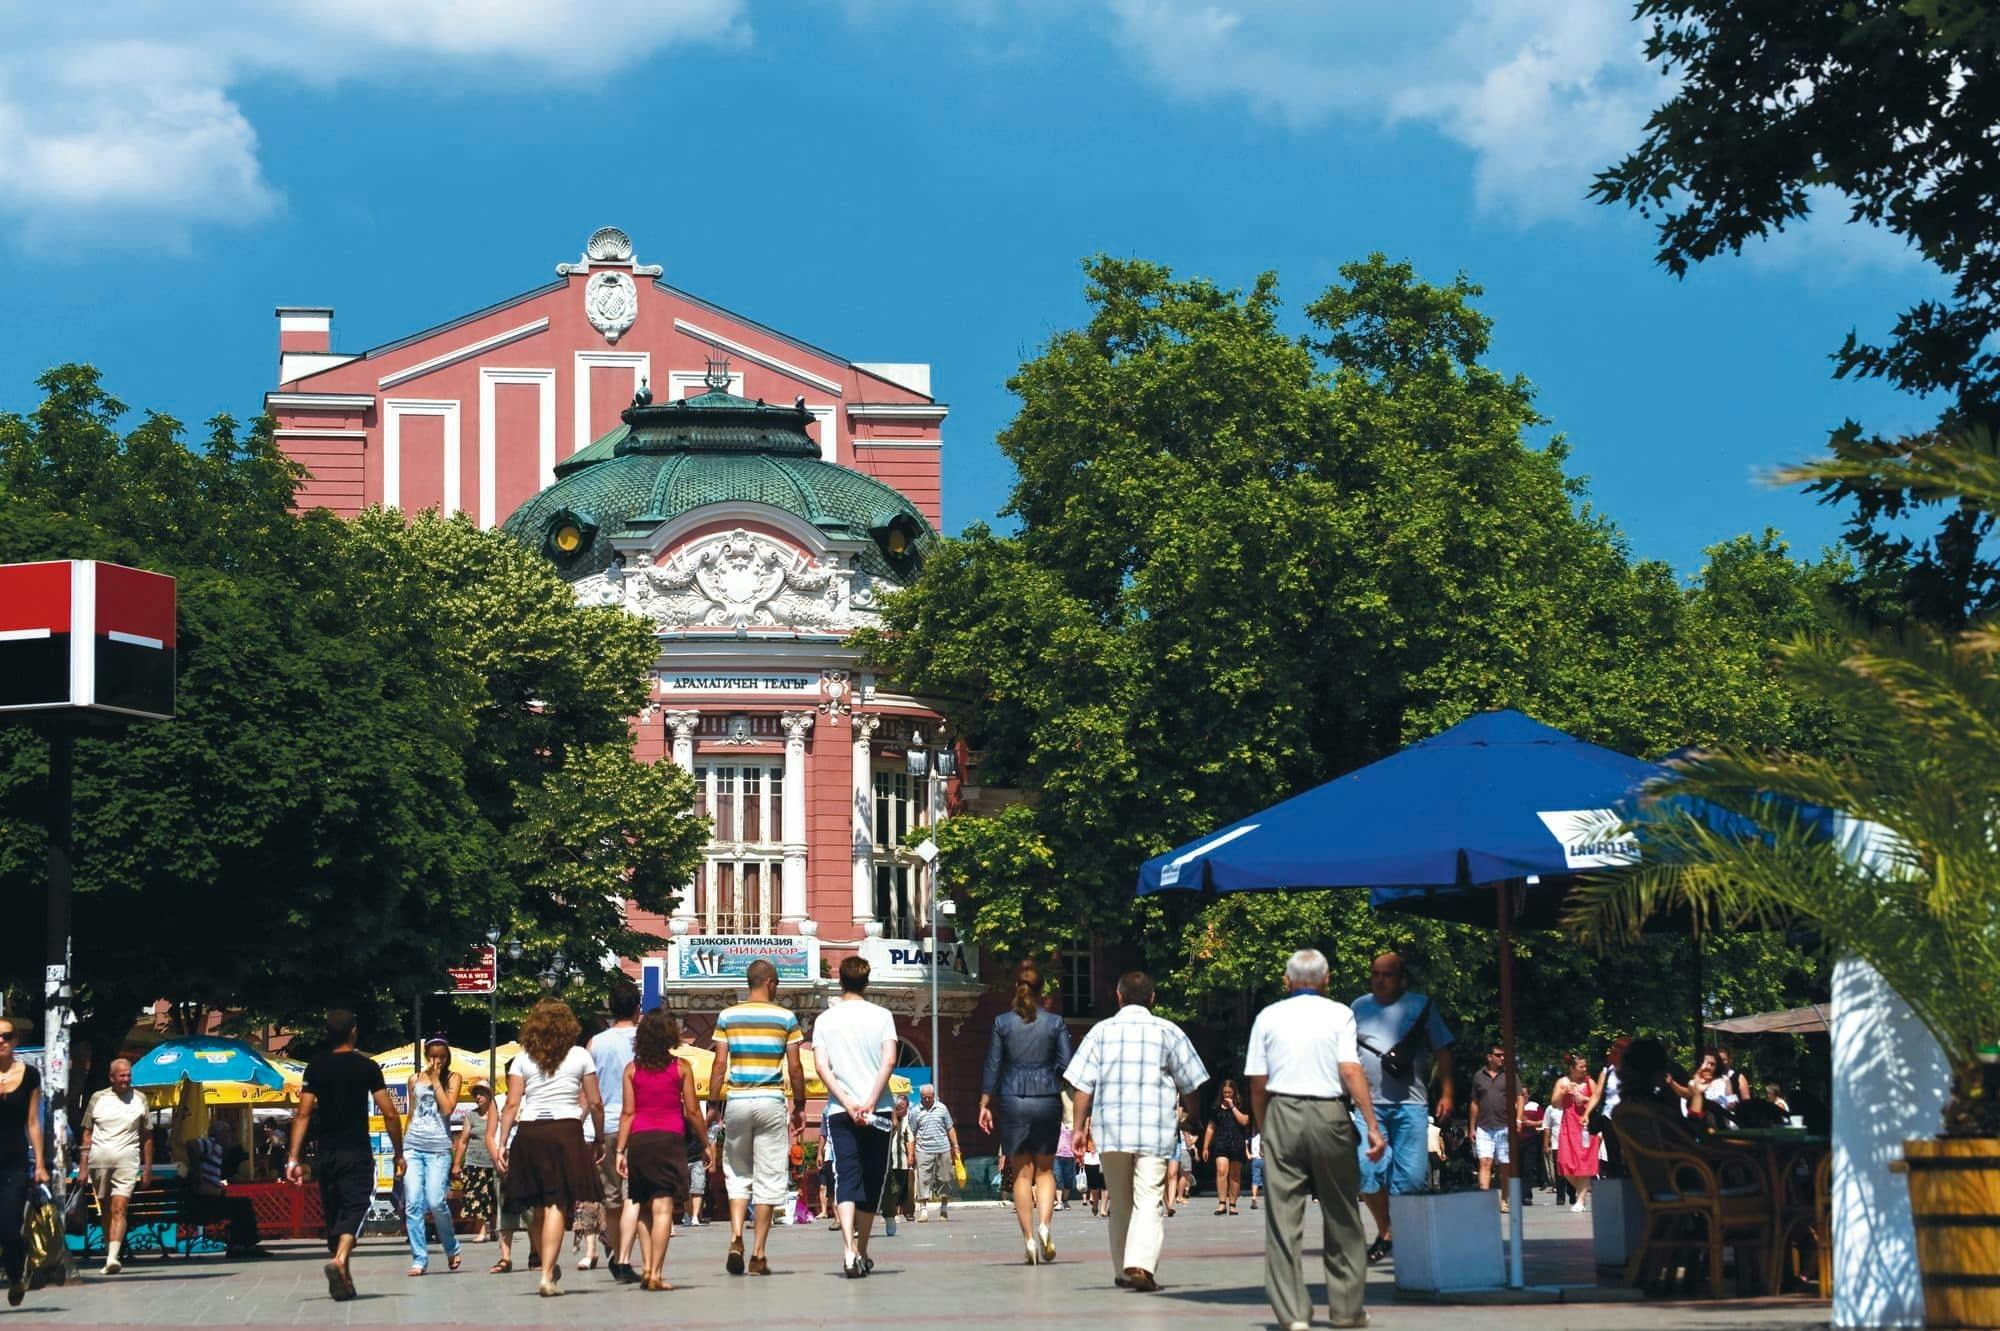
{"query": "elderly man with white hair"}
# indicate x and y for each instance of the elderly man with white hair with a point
(1306, 1085)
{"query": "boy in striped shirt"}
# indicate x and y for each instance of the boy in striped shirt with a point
(756, 1057)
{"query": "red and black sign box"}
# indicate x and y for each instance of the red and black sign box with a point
(76, 633)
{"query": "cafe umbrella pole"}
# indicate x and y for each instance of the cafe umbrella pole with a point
(1516, 1276)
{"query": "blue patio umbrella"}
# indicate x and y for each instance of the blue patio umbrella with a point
(1497, 797)
(204, 1058)
(1452, 825)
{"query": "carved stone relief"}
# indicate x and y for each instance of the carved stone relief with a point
(741, 580)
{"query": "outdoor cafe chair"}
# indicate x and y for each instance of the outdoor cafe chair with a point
(1694, 1202)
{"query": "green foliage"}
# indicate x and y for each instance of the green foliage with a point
(1884, 106)
(1247, 562)
(1913, 889)
(392, 735)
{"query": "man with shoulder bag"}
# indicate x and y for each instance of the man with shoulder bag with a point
(1402, 1041)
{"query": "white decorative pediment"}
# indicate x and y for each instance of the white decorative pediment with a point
(741, 580)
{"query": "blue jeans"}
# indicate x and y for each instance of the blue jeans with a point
(1405, 1166)
(426, 1176)
(1065, 1176)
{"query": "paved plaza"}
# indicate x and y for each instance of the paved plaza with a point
(929, 1275)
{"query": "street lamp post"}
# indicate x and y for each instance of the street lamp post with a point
(935, 766)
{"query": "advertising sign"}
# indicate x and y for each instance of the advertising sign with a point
(899, 957)
(708, 957)
(479, 977)
(79, 634)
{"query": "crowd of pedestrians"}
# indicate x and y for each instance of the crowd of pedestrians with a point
(1335, 1110)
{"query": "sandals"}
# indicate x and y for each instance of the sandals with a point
(1379, 1250)
(500, 1268)
(1222, 1210)
(453, 1262)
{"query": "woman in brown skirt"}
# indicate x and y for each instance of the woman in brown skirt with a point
(652, 1135)
(551, 1084)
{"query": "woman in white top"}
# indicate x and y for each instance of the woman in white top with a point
(550, 1084)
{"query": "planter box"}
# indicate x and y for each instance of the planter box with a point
(1617, 1221)
(1447, 1241)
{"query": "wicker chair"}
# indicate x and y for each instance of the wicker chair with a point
(1694, 1202)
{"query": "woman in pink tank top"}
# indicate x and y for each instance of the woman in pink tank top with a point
(652, 1146)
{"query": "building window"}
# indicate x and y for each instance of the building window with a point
(1079, 979)
(900, 821)
(737, 887)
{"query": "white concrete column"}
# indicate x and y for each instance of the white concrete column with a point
(792, 822)
(681, 728)
(864, 817)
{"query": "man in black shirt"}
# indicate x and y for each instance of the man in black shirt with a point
(1493, 1125)
(339, 1086)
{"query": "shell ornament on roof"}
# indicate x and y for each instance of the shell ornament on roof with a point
(608, 245)
(611, 303)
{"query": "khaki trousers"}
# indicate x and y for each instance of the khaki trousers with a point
(1310, 1150)
(1134, 1184)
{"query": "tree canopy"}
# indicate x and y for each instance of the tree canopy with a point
(1249, 560)
(1889, 109)
(393, 734)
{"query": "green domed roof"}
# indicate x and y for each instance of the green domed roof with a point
(670, 459)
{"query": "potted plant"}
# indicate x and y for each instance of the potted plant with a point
(1906, 878)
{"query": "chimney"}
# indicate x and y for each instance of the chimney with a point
(305, 328)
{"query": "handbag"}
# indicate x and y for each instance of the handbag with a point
(1398, 1060)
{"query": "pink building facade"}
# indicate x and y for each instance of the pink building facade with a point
(752, 496)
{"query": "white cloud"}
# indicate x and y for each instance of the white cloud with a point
(1543, 93)
(142, 135)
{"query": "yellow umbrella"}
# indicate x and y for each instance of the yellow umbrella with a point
(816, 1089)
(190, 1122)
(399, 1066)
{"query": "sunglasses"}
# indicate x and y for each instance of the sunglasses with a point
(8, 1036)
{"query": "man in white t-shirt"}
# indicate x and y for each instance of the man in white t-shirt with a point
(1306, 1089)
(611, 1050)
(115, 1154)
(854, 1044)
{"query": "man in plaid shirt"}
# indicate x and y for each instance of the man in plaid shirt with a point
(1128, 1073)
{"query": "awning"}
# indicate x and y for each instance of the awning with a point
(1793, 1021)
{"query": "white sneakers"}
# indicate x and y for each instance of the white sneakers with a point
(924, 1214)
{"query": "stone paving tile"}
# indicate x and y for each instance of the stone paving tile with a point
(932, 1275)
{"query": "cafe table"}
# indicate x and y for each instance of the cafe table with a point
(1792, 1158)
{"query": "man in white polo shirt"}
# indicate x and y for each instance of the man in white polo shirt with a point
(1306, 1083)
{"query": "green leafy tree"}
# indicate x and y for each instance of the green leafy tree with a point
(1248, 561)
(1880, 108)
(391, 736)
(1913, 886)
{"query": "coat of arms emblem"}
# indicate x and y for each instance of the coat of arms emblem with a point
(611, 303)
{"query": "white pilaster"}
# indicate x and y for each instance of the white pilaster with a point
(681, 726)
(792, 825)
(864, 817)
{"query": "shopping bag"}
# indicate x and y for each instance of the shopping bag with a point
(42, 1230)
(76, 1212)
(958, 1169)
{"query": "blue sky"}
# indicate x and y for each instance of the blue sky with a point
(911, 180)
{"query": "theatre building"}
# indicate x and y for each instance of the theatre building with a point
(751, 495)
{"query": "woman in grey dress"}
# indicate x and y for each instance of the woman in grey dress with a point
(1023, 1081)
